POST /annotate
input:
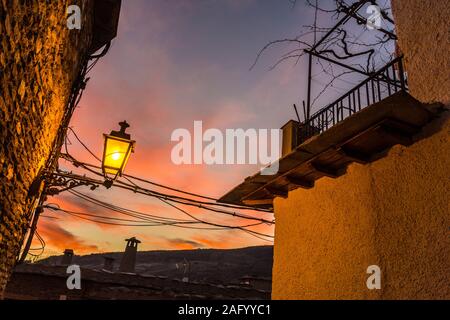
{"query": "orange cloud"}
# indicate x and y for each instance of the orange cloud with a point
(211, 243)
(59, 238)
(184, 244)
(146, 82)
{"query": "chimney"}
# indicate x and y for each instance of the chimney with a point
(108, 264)
(67, 257)
(294, 134)
(128, 262)
(291, 137)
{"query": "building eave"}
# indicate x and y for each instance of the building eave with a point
(363, 137)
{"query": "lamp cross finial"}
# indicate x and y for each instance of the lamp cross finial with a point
(123, 126)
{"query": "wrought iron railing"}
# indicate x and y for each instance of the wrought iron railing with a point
(378, 86)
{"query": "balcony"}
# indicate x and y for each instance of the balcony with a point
(361, 126)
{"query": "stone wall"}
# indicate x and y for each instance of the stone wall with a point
(39, 60)
(394, 212)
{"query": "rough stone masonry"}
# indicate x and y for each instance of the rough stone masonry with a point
(39, 61)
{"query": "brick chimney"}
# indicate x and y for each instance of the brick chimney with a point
(128, 262)
(108, 264)
(67, 257)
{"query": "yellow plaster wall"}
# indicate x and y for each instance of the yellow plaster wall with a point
(423, 29)
(394, 213)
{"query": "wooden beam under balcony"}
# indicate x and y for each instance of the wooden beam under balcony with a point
(363, 137)
(354, 155)
(258, 202)
(326, 171)
(299, 182)
(395, 135)
(275, 191)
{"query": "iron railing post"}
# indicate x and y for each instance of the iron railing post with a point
(308, 97)
(318, 122)
(402, 74)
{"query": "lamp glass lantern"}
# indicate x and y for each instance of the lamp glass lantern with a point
(116, 152)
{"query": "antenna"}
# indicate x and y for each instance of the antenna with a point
(296, 112)
(187, 269)
(304, 110)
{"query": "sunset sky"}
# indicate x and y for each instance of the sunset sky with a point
(174, 62)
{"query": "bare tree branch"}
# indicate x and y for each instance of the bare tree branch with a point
(340, 43)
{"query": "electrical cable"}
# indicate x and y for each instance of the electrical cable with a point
(154, 183)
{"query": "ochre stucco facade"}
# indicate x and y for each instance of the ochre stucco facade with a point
(395, 212)
(423, 35)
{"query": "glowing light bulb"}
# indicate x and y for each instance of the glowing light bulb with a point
(115, 156)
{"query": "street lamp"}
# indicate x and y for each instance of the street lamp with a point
(117, 149)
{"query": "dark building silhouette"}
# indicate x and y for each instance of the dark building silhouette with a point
(129, 257)
(67, 257)
(45, 282)
(108, 264)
